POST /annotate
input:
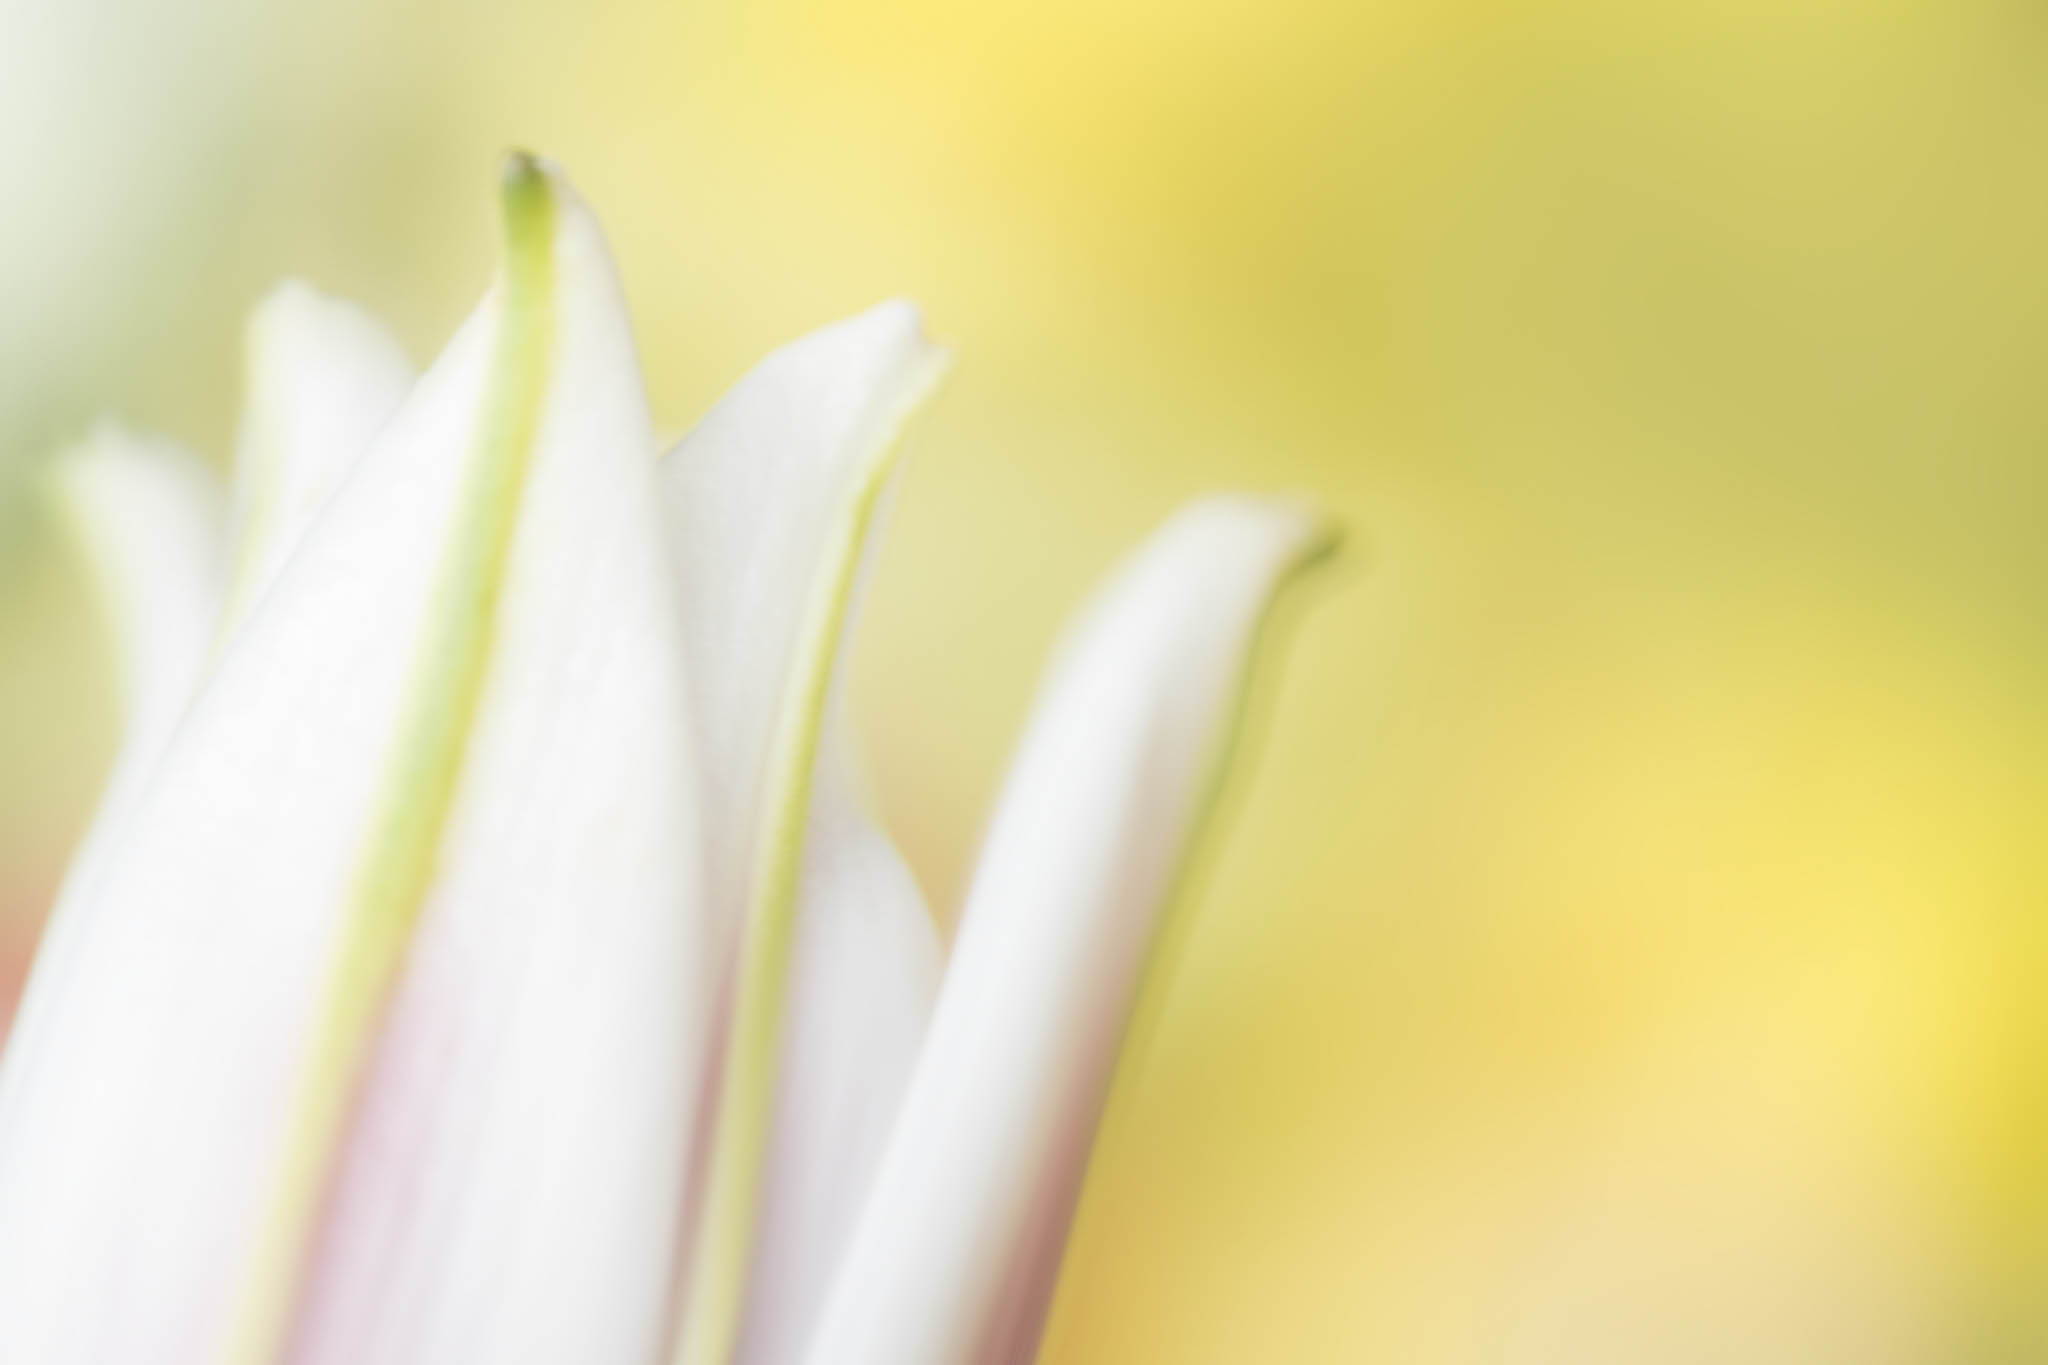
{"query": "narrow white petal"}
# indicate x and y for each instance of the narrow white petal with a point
(164, 1148)
(754, 493)
(771, 500)
(145, 1121)
(960, 1239)
(323, 378)
(151, 521)
(865, 970)
(512, 1189)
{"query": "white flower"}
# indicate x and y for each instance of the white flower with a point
(482, 952)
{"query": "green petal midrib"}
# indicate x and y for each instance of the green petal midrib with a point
(431, 740)
(1247, 707)
(713, 1305)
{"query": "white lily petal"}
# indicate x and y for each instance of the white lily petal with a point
(864, 973)
(146, 1121)
(956, 1250)
(166, 1144)
(151, 520)
(323, 378)
(512, 1190)
(771, 500)
(753, 494)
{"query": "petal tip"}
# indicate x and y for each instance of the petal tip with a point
(297, 323)
(108, 447)
(1325, 539)
(899, 325)
(931, 360)
(903, 317)
(291, 302)
(1301, 532)
(283, 298)
(526, 199)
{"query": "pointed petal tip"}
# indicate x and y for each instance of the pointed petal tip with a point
(288, 295)
(1305, 534)
(1322, 535)
(288, 308)
(148, 518)
(1326, 541)
(928, 361)
(901, 316)
(108, 444)
(897, 326)
(522, 170)
(298, 333)
(106, 432)
(527, 188)
(60, 481)
(288, 304)
(57, 483)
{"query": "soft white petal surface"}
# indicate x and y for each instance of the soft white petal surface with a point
(865, 971)
(958, 1244)
(755, 494)
(150, 519)
(151, 522)
(323, 378)
(512, 1190)
(143, 1146)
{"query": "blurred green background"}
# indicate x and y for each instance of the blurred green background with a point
(1630, 943)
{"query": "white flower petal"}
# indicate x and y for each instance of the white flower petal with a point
(958, 1244)
(166, 1146)
(323, 378)
(513, 1186)
(772, 499)
(151, 520)
(144, 1131)
(864, 973)
(755, 493)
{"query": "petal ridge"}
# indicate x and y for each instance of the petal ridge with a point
(961, 1234)
(877, 367)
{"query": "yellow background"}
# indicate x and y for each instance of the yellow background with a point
(1629, 945)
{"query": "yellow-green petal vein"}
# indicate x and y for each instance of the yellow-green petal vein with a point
(434, 728)
(711, 1310)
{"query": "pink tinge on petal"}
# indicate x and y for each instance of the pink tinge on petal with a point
(1017, 1318)
(957, 1251)
(515, 1168)
(767, 499)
